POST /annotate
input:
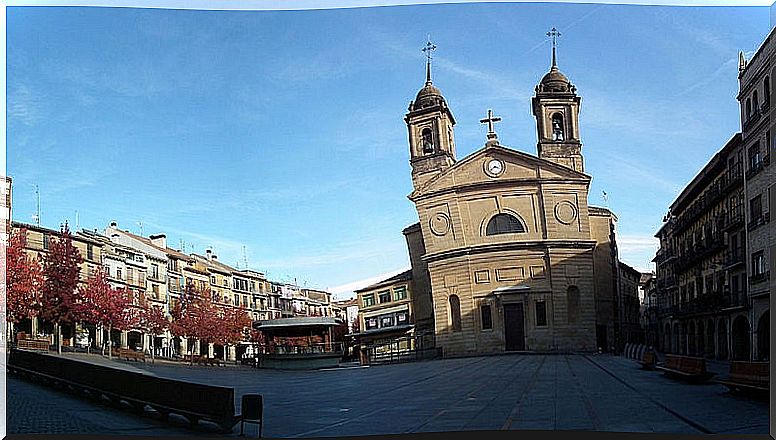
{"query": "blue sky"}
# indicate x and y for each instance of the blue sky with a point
(283, 132)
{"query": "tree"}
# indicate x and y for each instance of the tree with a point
(233, 327)
(61, 270)
(24, 281)
(155, 322)
(103, 305)
(195, 316)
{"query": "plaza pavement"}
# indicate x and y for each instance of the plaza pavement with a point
(531, 392)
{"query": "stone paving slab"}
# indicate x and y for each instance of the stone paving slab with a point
(542, 392)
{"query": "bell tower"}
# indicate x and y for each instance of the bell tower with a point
(430, 127)
(556, 109)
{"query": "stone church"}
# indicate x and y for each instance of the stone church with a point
(507, 254)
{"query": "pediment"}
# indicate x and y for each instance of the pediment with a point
(516, 166)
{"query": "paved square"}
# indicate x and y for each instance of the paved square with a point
(596, 392)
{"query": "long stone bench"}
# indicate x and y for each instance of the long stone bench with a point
(167, 396)
(34, 344)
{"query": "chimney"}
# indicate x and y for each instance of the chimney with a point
(113, 224)
(159, 240)
(214, 257)
(209, 254)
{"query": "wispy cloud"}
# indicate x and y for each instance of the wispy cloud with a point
(728, 68)
(24, 105)
(644, 175)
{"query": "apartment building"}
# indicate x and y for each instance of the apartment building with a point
(754, 97)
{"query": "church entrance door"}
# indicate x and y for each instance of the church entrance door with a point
(514, 333)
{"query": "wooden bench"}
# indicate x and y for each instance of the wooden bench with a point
(203, 360)
(33, 344)
(747, 377)
(688, 368)
(131, 355)
(648, 361)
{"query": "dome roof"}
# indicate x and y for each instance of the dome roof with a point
(428, 96)
(555, 81)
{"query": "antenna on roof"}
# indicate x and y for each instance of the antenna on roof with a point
(245, 257)
(76, 219)
(605, 197)
(36, 216)
(139, 222)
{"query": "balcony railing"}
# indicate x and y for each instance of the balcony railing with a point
(733, 257)
(759, 277)
(708, 303)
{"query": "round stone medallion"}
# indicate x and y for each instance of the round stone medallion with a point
(440, 224)
(565, 212)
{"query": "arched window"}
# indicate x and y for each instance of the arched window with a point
(755, 102)
(427, 140)
(572, 302)
(767, 90)
(504, 224)
(748, 107)
(455, 313)
(557, 127)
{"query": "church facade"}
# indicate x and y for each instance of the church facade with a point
(507, 251)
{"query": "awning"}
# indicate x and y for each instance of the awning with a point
(304, 321)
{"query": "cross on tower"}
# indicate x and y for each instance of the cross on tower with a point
(490, 120)
(430, 47)
(554, 34)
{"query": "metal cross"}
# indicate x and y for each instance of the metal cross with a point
(490, 120)
(430, 47)
(554, 34)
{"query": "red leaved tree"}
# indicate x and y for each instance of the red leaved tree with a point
(24, 281)
(61, 270)
(194, 316)
(102, 304)
(154, 321)
(234, 324)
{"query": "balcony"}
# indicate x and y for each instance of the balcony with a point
(732, 219)
(752, 120)
(760, 277)
(756, 168)
(757, 222)
(733, 258)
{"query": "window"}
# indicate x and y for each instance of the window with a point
(236, 300)
(455, 313)
(756, 208)
(212, 279)
(130, 275)
(245, 301)
(572, 302)
(46, 241)
(155, 290)
(754, 155)
(384, 296)
(755, 102)
(401, 318)
(557, 127)
(155, 271)
(399, 293)
(118, 273)
(386, 321)
(369, 300)
(370, 323)
(541, 313)
(485, 317)
(89, 252)
(504, 224)
(758, 263)
(748, 108)
(427, 141)
(253, 286)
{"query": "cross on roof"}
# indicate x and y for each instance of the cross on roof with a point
(490, 120)
(430, 47)
(554, 34)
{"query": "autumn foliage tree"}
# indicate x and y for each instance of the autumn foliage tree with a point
(61, 268)
(103, 305)
(154, 321)
(194, 316)
(24, 281)
(234, 325)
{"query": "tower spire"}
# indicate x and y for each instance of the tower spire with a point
(554, 34)
(430, 47)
